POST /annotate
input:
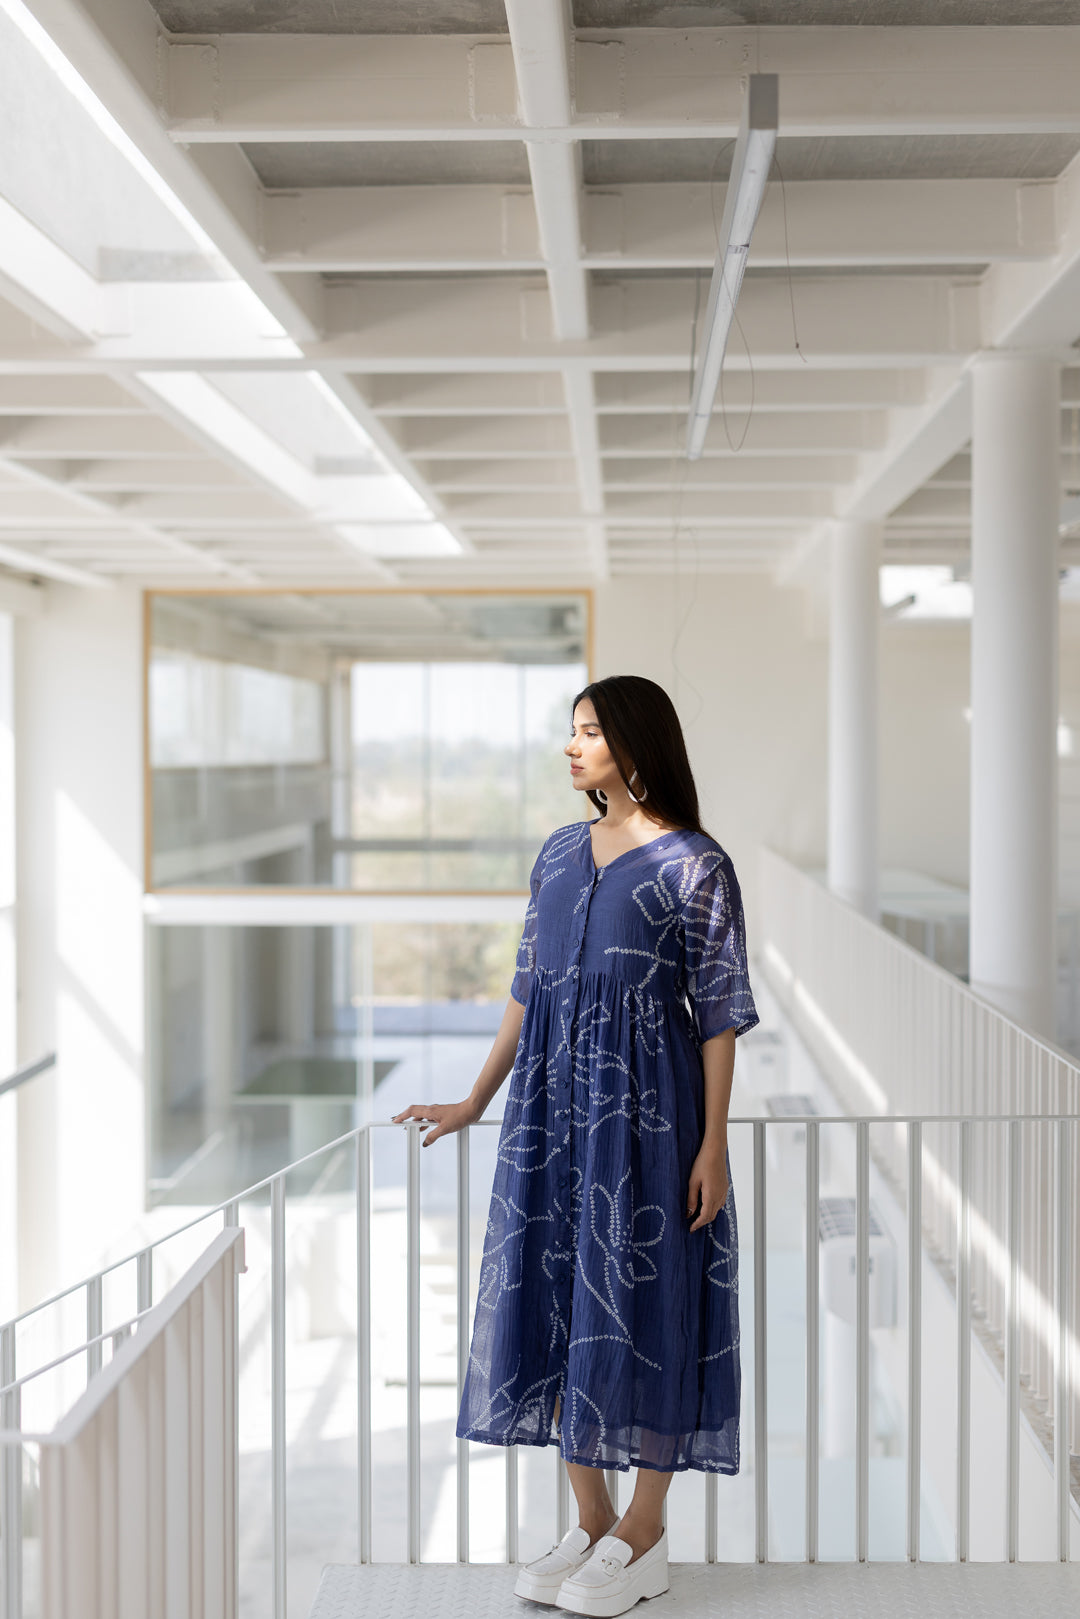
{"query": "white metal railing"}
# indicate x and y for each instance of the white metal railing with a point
(870, 1133)
(897, 1035)
(137, 1490)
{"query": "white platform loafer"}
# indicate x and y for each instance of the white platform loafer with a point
(608, 1583)
(540, 1580)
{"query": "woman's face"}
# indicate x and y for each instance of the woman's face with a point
(591, 764)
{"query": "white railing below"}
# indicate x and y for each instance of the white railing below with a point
(898, 1035)
(138, 1481)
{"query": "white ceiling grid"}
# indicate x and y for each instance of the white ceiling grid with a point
(404, 290)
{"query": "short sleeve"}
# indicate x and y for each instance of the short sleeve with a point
(714, 936)
(526, 957)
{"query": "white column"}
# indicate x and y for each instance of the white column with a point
(854, 612)
(1015, 501)
(79, 836)
(9, 1158)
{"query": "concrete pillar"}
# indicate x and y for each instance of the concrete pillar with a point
(1015, 499)
(9, 1158)
(79, 836)
(854, 612)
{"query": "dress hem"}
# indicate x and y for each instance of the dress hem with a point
(621, 1466)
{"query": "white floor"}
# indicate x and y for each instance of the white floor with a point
(726, 1590)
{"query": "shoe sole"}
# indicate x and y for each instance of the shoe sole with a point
(608, 1607)
(536, 1590)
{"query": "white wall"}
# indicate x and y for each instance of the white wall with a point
(749, 684)
(924, 748)
(756, 723)
(78, 683)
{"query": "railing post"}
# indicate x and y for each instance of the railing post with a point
(963, 1347)
(711, 1498)
(1012, 1352)
(1062, 1305)
(862, 1340)
(93, 1326)
(277, 1390)
(761, 1403)
(363, 1341)
(511, 1504)
(813, 1338)
(412, 1337)
(462, 1336)
(144, 1281)
(562, 1495)
(10, 1481)
(914, 1351)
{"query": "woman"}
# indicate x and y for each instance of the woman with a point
(607, 1317)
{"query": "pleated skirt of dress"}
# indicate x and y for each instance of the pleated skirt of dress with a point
(593, 1291)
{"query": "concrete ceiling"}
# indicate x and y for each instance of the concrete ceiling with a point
(464, 249)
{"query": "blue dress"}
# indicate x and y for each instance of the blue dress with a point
(592, 1287)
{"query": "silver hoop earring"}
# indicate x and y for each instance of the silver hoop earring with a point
(630, 793)
(601, 795)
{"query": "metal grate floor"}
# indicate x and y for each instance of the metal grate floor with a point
(723, 1591)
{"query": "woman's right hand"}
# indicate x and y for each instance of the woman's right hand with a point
(443, 1117)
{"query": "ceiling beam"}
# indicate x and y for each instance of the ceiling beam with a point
(430, 228)
(644, 323)
(638, 84)
(540, 40)
(496, 393)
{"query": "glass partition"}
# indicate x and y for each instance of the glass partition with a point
(390, 741)
(270, 1041)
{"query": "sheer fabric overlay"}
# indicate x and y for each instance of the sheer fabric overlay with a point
(592, 1287)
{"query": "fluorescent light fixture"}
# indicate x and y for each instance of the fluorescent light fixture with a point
(750, 167)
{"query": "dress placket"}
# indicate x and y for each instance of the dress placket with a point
(567, 1233)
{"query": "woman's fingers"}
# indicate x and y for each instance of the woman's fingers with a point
(418, 1110)
(712, 1202)
(693, 1194)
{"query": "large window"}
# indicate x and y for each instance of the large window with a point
(362, 741)
(346, 794)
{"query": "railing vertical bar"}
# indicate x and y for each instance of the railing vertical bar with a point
(363, 1343)
(813, 1339)
(277, 1390)
(1012, 1350)
(144, 1281)
(914, 1347)
(562, 1497)
(412, 1337)
(761, 1404)
(463, 1260)
(711, 1498)
(232, 1214)
(1062, 1306)
(10, 1481)
(862, 1340)
(94, 1326)
(511, 1504)
(963, 1346)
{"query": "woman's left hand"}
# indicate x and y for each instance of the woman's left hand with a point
(708, 1184)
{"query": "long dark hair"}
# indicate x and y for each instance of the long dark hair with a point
(642, 731)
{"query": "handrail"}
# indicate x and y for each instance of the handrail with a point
(893, 1029)
(30, 1071)
(267, 1181)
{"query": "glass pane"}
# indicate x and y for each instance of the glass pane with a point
(359, 741)
(271, 1042)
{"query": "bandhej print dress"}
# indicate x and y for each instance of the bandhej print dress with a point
(593, 1289)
